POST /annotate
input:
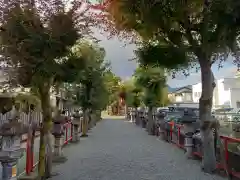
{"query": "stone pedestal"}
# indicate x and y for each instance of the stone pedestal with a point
(58, 133)
(58, 146)
(76, 127)
(10, 153)
(9, 170)
(188, 120)
(58, 156)
(133, 115)
(10, 147)
(188, 141)
(76, 133)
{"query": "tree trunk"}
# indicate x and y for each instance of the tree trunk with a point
(32, 135)
(85, 123)
(150, 121)
(126, 111)
(45, 152)
(205, 107)
(93, 118)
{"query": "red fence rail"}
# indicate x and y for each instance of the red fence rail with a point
(226, 141)
(68, 132)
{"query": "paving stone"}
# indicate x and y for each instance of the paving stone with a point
(118, 150)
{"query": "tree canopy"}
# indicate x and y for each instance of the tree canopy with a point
(180, 34)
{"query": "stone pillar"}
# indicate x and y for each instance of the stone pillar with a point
(10, 153)
(58, 133)
(76, 127)
(188, 141)
(58, 146)
(188, 119)
(133, 115)
(76, 133)
(160, 120)
(9, 170)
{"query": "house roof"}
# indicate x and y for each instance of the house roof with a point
(180, 90)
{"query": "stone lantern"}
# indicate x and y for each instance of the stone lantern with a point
(133, 115)
(161, 124)
(188, 120)
(76, 126)
(10, 150)
(141, 117)
(58, 132)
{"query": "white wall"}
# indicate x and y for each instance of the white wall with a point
(196, 92)
(178, 98)
(181, 97)
(223, 93)
(226, 92)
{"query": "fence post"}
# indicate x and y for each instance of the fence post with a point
(29, 164)
(66, 133)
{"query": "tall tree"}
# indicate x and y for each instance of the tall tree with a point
(113, 85)
(153, 81)
(185, 32)
(35, 35)
(91, 92)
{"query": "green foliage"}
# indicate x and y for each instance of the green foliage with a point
(180, 32)
(32, 46)
(132, 94)
(112, 82)
(152, 81)
(89, 86)
(161, 55)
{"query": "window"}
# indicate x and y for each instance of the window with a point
(238, 104)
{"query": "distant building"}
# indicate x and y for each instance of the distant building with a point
(55, 98)
(226, 93)
(183, 94)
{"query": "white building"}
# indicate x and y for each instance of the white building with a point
(179, 95)
(226, 93)
(4, 78)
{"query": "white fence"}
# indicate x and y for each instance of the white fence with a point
(24, 117)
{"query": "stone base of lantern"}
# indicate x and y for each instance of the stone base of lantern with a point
(58, 156)
(188, 141)
(32, 176)
(76, 134)
(9, 169)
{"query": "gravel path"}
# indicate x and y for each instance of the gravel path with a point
(118, 150)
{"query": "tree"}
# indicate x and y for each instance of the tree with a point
(152, 80)
(179, 33)
(113, 85)
(90, 89)
(34, 38)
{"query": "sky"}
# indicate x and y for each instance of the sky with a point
(120, 55)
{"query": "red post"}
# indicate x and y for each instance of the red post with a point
(32, 161)
(171, 130)
(179, 135)
(226, 153)
(28, 157)
(66, 138)
(71, 130)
